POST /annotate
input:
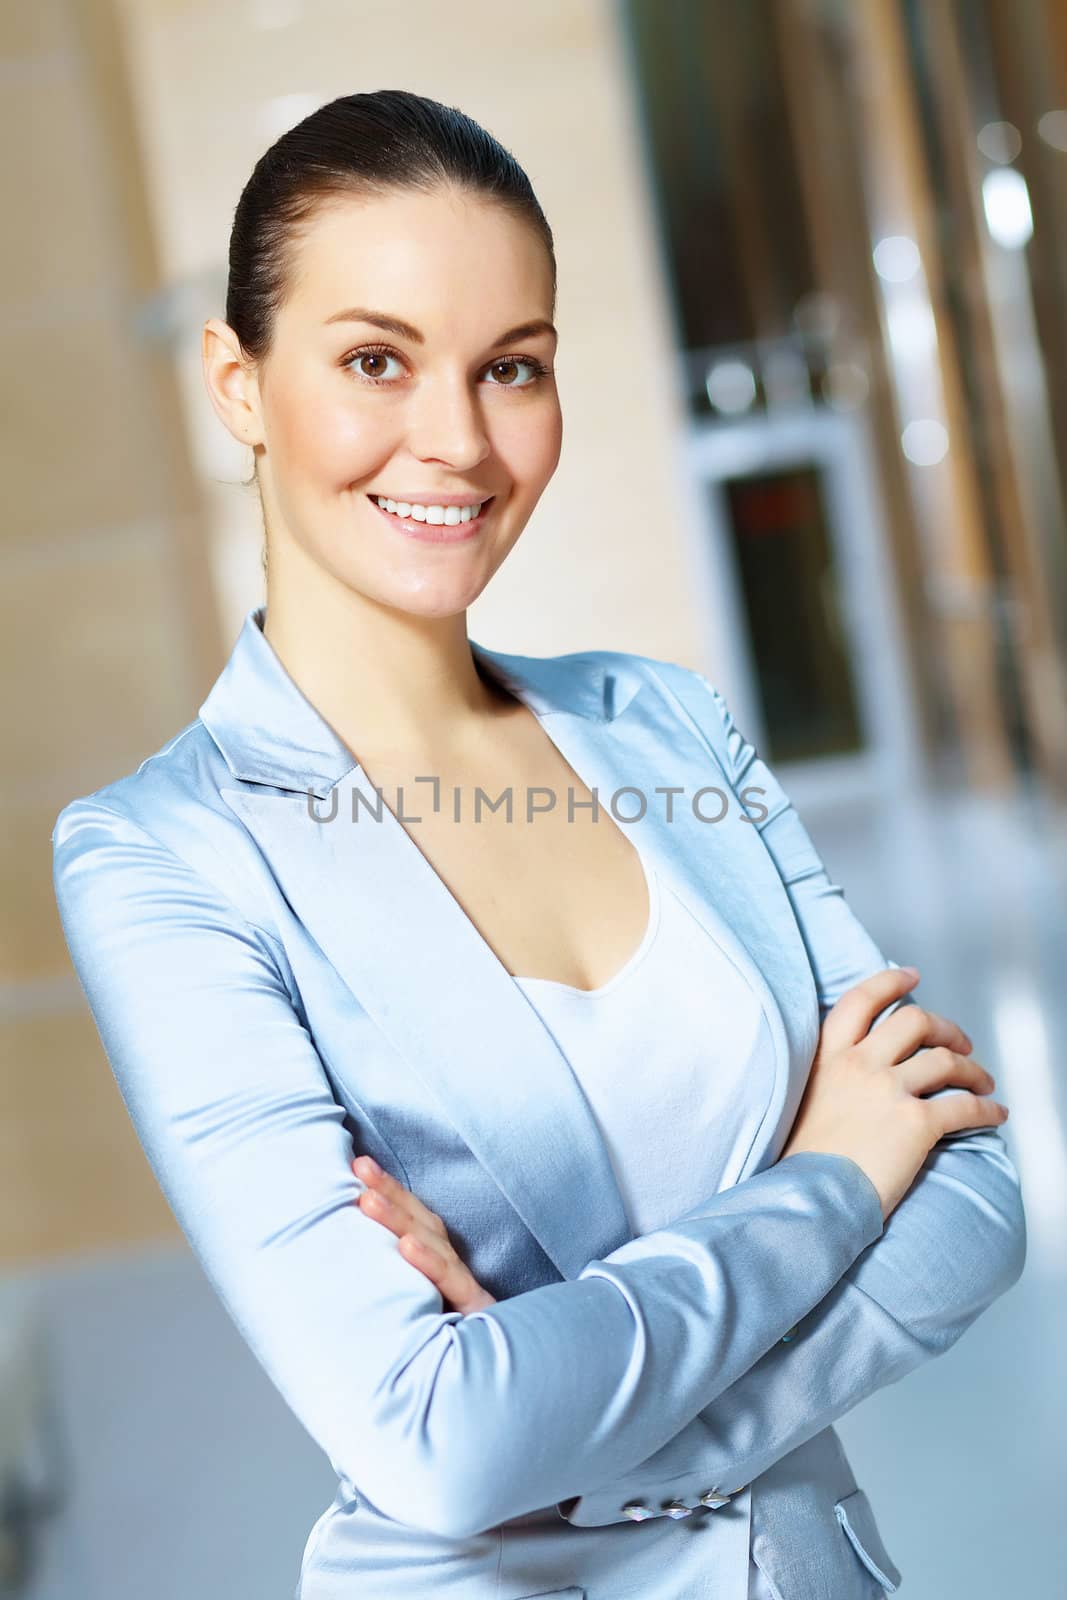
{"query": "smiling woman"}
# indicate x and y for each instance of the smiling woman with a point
(640, 1113)
(461, 408)
(452, 414)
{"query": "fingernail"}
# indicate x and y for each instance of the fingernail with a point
(912, 972)
(369, 1164)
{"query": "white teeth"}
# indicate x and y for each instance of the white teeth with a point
(449, 515)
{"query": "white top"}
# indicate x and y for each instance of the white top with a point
(675, 1059)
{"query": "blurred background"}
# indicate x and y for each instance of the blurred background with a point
(813, 299)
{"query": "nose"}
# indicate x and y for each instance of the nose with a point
(446, 424)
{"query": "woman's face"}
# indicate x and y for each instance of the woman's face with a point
(461, 401)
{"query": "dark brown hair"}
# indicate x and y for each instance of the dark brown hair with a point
(360, 144)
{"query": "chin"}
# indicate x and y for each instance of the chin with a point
(433, 599)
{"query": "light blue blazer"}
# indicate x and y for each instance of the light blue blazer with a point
(276, 991)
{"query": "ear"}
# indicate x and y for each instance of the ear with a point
(231, 382)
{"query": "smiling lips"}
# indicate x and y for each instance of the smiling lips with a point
(441, 513)
(435, 524)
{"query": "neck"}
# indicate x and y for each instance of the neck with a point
(382, 679)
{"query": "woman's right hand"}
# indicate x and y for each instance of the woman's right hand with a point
(861, 1098)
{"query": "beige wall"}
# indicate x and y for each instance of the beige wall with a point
(134, 124)
(107, 632)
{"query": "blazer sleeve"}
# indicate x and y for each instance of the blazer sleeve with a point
(953, 1245)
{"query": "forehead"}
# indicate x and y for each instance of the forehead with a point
(444, 261)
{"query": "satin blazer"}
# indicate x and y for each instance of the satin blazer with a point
(281, 980)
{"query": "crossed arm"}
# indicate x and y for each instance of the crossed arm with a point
(953, 1245)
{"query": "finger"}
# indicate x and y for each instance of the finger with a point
(377, 1177)
(422, 1238)
(940, 1067)
(430, 1261)
(392, 1216)
(907, 1030)
(383, 1183)
(448, 1274)
(398, 1218)
(956, 1111)
(413, 1234)
(850, 1018)
(944, 1031)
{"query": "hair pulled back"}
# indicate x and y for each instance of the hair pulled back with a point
(365, 145)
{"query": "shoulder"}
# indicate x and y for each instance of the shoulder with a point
(685, 689)
(692, 698)
(603, 682)
(671, 674)
(657, 670)
(187, 770)
(167, 815)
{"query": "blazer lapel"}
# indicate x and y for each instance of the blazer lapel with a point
(401, 942)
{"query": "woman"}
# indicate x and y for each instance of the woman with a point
(665, 1182)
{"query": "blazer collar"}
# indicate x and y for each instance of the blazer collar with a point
(270, 733)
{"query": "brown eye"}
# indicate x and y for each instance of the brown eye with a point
(502, 372)
(354, 362)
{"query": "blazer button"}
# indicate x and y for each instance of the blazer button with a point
(677, 1508)
(786, 1337)
(713, 1498)
(637, 1511)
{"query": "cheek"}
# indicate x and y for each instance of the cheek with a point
(530, 445)
(326, 437)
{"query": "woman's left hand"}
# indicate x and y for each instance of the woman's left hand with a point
(423, 1237)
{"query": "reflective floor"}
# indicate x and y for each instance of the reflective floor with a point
(187, 1476)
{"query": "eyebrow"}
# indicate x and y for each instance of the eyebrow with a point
(405, 330)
